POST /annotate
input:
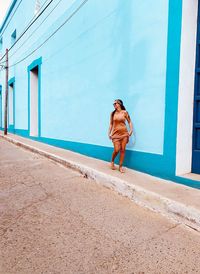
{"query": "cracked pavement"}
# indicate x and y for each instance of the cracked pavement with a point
(53, 220)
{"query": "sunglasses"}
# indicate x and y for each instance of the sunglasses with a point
(114, 104)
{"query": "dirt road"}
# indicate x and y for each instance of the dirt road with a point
(52, 220)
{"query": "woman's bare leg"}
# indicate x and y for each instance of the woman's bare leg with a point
(122, 153)
(115, 152)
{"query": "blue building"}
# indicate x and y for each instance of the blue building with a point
(70, 59)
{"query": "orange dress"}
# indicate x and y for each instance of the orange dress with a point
(119, 129)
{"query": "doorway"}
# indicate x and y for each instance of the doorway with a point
(34, 94)
(11, 106)
(33, 102)
(196, 113)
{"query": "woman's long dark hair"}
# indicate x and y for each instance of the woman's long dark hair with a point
(120, 102)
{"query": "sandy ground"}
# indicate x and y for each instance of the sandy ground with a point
(52, 220)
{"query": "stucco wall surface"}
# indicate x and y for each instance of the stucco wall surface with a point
(98, 52)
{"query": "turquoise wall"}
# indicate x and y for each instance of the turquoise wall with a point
(105, 51)
(93, 52)
(106, 55)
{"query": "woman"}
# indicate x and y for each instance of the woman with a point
(118, 132)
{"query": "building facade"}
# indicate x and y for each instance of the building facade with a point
(70, 59)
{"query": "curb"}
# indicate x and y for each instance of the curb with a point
(176, 211)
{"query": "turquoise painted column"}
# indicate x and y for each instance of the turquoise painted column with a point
(172, 85)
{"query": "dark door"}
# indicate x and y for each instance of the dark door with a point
(196, 121)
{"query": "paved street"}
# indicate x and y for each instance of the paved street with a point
(53, 220)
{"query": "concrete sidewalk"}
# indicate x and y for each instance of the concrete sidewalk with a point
(178, 202)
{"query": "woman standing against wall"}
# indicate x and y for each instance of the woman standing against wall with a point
(118, 132)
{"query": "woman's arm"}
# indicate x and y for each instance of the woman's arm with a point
(110, 126)
(130, 123)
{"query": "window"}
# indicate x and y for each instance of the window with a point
(37, 7)
(13, 37)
